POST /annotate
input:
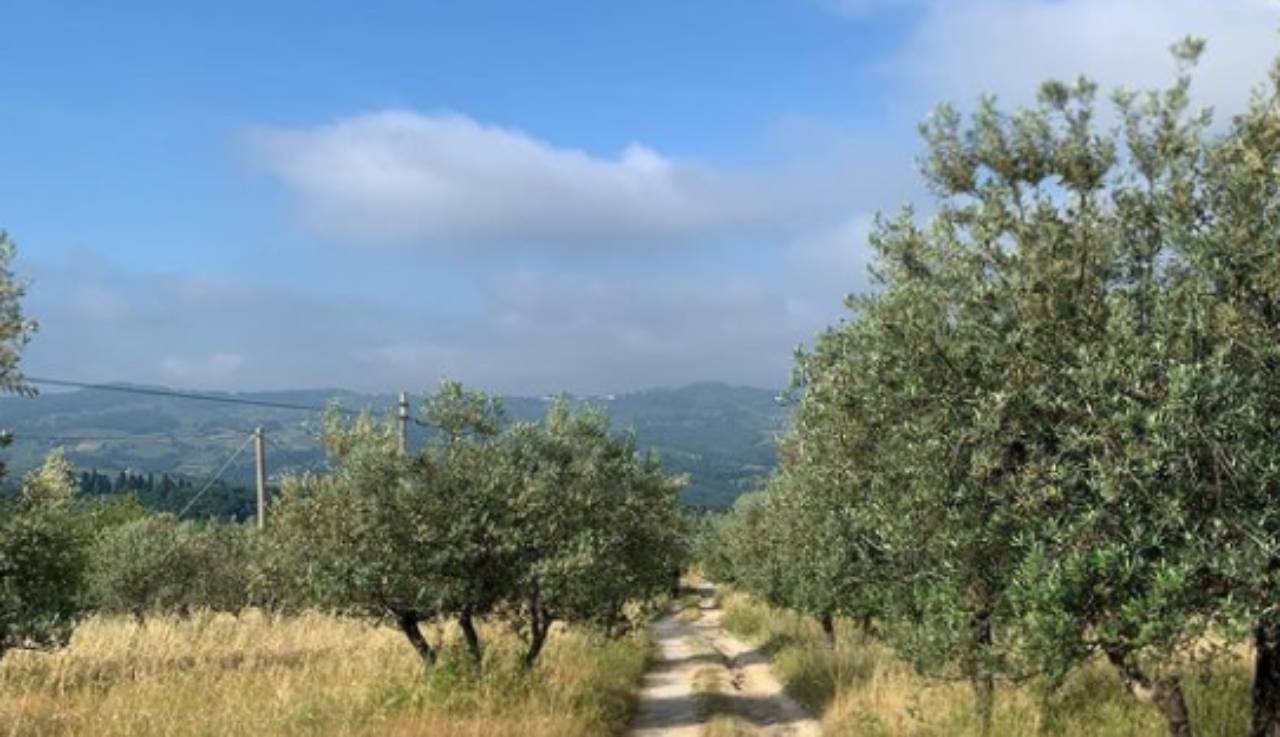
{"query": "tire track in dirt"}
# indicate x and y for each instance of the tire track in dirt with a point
(674, 701)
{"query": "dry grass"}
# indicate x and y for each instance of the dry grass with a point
(310, 675)
(861, 689)
(690, 608)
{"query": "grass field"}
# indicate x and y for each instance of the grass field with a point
(861, 690)
(310, 675)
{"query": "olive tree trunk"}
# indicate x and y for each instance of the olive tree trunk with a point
(408, 624)
(539, 626)
(828, 629)
(980, 676)
(1266, 679)
(1164, 693)
(472, 636)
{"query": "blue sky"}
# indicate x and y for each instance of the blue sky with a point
(532, 197)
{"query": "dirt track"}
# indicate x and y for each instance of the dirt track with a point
(675, 700)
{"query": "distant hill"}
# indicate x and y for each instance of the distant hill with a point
(722, 436)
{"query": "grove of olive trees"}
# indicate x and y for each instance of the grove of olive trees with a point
(1048, 436)
(537, 523)
(532, 524)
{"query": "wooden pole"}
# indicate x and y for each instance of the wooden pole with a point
(260, 473)
(402, 413)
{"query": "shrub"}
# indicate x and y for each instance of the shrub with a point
(159, 564)
(42, 560)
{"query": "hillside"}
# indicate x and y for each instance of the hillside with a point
(722, 436)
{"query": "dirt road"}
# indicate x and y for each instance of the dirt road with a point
(705, 675)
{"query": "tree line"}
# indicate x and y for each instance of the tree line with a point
(171, 493)
(530, 523)
(1050, 433)
(95, 482)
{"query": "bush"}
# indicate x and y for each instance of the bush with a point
(42, 560)
(158, 564)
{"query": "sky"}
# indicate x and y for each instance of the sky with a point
(530, 197)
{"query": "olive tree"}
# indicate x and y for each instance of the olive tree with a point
(830, 481)
(15, 328)
(599, 523)
(350, 540)
(541, 522)
(1228, 241)
(709, 546)
(15, 331)
(157, 564)
(1017, 413)
(464, 511)
(746, 548)
(42, 560)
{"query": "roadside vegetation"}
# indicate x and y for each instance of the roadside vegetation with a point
(1037, 463)
(861, 688)
(312, 674)
(496, 582)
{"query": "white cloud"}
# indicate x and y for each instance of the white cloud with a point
(960, 50)
(217, 368)
(534, 331)
(98, 304)
(837, 256)
(448, 180)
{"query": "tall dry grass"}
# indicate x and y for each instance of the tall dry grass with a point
(860, 689)
(311, 675)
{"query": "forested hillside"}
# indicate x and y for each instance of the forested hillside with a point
(721, 436)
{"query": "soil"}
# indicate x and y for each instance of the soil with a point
(676, 701)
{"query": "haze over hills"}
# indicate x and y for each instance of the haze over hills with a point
(721, 436)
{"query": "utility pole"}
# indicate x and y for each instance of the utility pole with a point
(260, 472)
(402, 413)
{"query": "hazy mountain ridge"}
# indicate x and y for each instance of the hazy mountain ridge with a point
(722, 436)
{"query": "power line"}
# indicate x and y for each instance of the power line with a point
(286, 449)
(313, 465)
(172, 394)
(217, 475)
(212, 480)
(19, 436)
